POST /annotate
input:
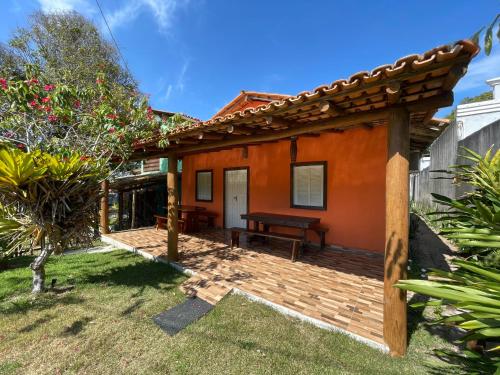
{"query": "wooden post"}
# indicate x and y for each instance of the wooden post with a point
(173, 197)
(104, 220)
(133, 209)
(120, 210)
(396, 230)
(293, 149)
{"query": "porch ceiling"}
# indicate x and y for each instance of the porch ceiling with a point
(421, 83)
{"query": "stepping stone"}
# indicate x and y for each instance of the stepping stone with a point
(180, 316)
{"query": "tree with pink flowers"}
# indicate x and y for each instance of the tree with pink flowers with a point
(57, 143)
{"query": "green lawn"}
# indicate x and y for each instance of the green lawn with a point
(104, 326)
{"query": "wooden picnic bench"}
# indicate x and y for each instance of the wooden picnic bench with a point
(208, 218)
(303, 223)
(296, 240)
(161, 223)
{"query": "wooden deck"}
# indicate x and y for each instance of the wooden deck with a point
(339, 287)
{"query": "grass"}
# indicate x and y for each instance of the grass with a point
(104, 326)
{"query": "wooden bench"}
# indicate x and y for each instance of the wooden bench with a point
(296, 240)
(161, 222)
(321, 231)
(208, 217)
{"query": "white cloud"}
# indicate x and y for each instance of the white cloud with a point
(481, 69)
(62, 5)
(162, 10)
(181, 80)
(168, 93)
(177, 87)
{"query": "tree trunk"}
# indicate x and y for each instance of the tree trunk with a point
(38, 267)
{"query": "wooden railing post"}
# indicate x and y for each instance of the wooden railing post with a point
(120, 210)
(104, 214)
(396, 230)
(173, 197)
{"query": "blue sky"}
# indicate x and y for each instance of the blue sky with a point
(194, 56)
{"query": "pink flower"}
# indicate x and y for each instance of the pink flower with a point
(48, 108)
(99, 81)
(112, 130)
(52, 118)
(33, 104)
(3, 83)
(111, 116)
(77, 104)
(49, 87)
(46, 99)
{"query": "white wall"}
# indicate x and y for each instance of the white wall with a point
(475, 116)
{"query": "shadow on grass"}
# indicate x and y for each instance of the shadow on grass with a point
(140, 274)
(30, 327)
(129, 310)
(76, 327)
(24, 304)
(304, 356)
(17, 262)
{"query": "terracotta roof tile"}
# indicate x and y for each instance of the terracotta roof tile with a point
(420, 76)
(414, 62)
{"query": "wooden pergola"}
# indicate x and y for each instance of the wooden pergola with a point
(403, 96)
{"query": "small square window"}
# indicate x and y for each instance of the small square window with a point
(204, 182)
(308, 188)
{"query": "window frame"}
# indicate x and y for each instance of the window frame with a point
(323, 164)
(211, 185)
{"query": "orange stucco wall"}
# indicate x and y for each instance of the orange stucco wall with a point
(356, 160)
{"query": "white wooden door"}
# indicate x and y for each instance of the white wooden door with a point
(235, 199)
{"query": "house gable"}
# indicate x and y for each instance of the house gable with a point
(248, 99)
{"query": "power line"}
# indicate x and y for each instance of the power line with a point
(113, 38)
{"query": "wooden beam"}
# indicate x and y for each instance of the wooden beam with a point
(455, 73)
(104, 214)
(293, 149)
(241, 130)
(310, 135)
(244, 152)
(424, 105)
(393, 91)
(396, 230)
(210, 136)
(328, 106)
(276, 122)
(172, 207)
(185, 141)
(339, 122)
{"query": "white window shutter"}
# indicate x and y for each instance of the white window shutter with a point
(316, 186)
(308, 185)
(204, 185)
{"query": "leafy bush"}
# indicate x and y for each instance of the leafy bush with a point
(473, 221)
(473, 289)
(48, 200)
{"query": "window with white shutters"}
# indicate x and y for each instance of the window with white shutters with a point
(308, 185)
(204, 186)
